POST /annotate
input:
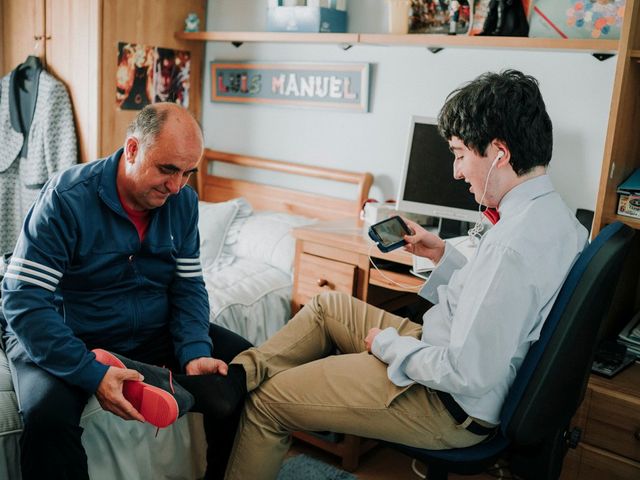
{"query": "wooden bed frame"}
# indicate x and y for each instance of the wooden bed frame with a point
(214, 188)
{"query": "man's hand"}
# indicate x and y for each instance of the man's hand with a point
(205, 366)
(109, 393)
(423, 243)
(371, 336)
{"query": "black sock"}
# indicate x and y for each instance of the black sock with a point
(216, 395)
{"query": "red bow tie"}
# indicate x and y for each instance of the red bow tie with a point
(492, 214)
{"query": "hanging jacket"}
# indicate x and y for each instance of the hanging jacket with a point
(38, 139)
(80, 276)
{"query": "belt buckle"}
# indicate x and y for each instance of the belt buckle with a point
(466, 422)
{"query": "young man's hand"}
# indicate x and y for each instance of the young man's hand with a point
(206, 366)
(423, 243)
(370, 338)
(109, 393)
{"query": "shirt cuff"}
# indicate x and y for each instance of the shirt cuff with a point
(451, 261)
(382, 342)
(94, 372)
(194, 350)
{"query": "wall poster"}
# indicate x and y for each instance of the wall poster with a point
(338, 86)
(148, 74)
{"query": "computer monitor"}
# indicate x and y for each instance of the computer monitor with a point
(427, 186)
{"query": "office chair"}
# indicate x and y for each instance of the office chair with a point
(534, 432)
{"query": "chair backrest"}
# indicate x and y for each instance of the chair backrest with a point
(552, 379)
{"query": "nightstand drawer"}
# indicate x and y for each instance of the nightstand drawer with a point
(599, 464)
(318, 275)
(614, 424)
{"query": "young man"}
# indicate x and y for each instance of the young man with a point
(109, 258)
(441, 384)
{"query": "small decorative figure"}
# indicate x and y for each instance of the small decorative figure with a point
(506, 18)
(192, 23)
(454, 15)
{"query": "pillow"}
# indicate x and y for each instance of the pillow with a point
(266, 237)
(219, 224)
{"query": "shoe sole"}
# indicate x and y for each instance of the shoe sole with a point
(158, 407)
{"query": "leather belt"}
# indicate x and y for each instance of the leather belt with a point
(461, 417)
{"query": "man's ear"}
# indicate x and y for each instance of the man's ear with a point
(131, 149)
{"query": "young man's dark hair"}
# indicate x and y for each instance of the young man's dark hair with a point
(506, 106)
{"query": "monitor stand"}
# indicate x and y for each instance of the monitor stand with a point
(452, 228)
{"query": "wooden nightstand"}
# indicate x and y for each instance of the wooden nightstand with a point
(609, 418)
(334, 256)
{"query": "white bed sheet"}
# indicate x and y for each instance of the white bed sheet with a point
(250, 298)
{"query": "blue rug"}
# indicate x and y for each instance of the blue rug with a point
(303, 467)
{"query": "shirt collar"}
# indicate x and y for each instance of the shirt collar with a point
(108, 190)
(518, 196)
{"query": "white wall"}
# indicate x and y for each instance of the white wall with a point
(405, 81)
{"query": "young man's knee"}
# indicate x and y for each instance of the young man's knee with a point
(330, 300)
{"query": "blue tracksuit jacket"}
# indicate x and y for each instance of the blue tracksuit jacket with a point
(79, 273)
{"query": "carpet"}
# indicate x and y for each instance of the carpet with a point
(303, 467)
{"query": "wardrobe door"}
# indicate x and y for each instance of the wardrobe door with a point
(21, 32)
(72, 55)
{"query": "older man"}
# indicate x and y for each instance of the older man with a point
(109, 258)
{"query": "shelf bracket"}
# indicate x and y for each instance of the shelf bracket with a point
(603, 56)
(435, 50)
(345, 46)
(237, 44)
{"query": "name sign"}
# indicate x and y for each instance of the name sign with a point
(333, 86)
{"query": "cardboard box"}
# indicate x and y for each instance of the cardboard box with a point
(306, 19)
(629, 200)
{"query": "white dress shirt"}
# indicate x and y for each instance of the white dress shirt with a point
(490, 309)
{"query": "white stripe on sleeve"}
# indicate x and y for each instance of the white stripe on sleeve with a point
(36, 265)
(189, 267)
(30, 280)
(190, 274)
(185, 261)
(36, 273)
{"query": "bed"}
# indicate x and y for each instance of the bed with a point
(247, 256)
(247, 251)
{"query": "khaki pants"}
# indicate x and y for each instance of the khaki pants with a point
(298, 384)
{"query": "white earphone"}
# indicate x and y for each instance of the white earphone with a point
(498, 157)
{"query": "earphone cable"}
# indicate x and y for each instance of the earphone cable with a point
(409, 287)
(475, 232)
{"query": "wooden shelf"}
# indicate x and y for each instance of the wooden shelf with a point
(635, 54)
(632, 222)
(464, 41)
(403, 281)
(271, 37)
(415, 40)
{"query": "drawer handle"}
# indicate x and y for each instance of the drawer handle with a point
(322, 282)
(636, 435)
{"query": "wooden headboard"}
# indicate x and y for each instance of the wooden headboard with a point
(213, 188)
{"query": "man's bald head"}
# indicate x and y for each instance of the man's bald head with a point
(155, 118)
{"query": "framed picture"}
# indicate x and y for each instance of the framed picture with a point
(600, 19)
(147, 74)
(440, 16)
(339, 86)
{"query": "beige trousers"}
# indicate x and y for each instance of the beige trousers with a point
(299, 384)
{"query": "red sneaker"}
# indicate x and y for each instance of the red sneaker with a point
(157, 406)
